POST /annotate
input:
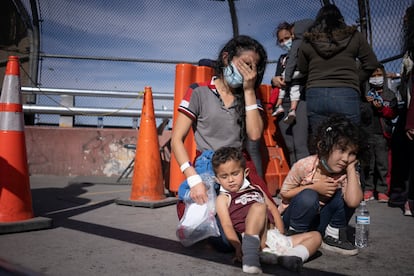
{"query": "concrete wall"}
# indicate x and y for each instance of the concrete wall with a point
(81, 151)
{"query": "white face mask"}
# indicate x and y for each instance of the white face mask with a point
(287, 45)
(376, 81)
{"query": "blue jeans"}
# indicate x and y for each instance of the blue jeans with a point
(322, 102)
(305, 214)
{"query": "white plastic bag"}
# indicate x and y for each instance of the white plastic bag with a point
(199, 221)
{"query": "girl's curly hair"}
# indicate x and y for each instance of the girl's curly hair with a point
(338, 130)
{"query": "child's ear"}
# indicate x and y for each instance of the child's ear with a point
(216, 179)
(246, 172)
(319, 145)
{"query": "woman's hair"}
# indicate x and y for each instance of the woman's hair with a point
(234, 48)
(408, 30)
(328, 19)
(224, 154)
(338, 130)
(282, 26)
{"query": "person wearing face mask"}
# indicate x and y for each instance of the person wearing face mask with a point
(378, 108)
(290, 40)
(221, 112)
(327, 56)
(291, 104)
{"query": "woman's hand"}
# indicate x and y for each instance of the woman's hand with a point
(198, 193)
(278, 81)
(247, 68)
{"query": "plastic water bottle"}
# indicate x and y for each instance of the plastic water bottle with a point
(362, 220)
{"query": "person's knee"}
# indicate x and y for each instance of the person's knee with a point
(337, 200)
(307, 198)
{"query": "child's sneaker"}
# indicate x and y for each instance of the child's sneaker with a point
(278, 110)
(369, 195)
(291, 117)
(383, 198)
(341, 245)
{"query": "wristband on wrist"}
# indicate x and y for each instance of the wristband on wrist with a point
(194, 180)
(185, 166)
(251, 107)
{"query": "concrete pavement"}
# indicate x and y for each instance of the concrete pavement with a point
(91, 235)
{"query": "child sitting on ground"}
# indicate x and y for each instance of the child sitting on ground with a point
(244, 211)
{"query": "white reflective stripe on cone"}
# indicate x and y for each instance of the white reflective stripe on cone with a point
(11, 90)
(11, 121)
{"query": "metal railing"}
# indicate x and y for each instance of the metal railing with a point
(91, 111)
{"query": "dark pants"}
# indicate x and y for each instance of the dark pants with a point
(295, 135)
(376, 177)
(304, 212)
(402, 169)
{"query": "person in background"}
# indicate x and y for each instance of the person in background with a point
(378, 108)
(321, 191)
(295, 135)
(327, 56)
(243, 210)
(221, 112)
(402, 171)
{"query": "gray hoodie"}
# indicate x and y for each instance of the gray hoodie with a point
(300, 27)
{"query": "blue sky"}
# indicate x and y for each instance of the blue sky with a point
(184, 30)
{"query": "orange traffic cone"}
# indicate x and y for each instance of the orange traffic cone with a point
(147, 181)
(16, 213)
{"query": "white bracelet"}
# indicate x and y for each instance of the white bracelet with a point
(194, 180)
(251, 107)
(185, 166)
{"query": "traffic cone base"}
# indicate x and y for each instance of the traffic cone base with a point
(36, 223)
(147, 181)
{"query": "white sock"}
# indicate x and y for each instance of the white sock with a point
(331, 231)
(300, 251)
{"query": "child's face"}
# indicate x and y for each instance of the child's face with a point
(283, 36)
(341, 157)
(230, 175)
(377, 73)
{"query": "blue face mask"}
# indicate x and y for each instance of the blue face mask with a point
(287, 45)
(232, 76)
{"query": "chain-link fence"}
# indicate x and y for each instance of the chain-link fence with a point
(127, 45)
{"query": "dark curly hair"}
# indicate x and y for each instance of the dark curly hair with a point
(234, 48)
(337, 130)
(224, 154)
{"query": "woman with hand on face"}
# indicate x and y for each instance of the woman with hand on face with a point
(221, 112)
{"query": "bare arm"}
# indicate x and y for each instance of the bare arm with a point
(353, 192)
(254, 122)
(225, 220)
(275, 213)
(181, 128)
